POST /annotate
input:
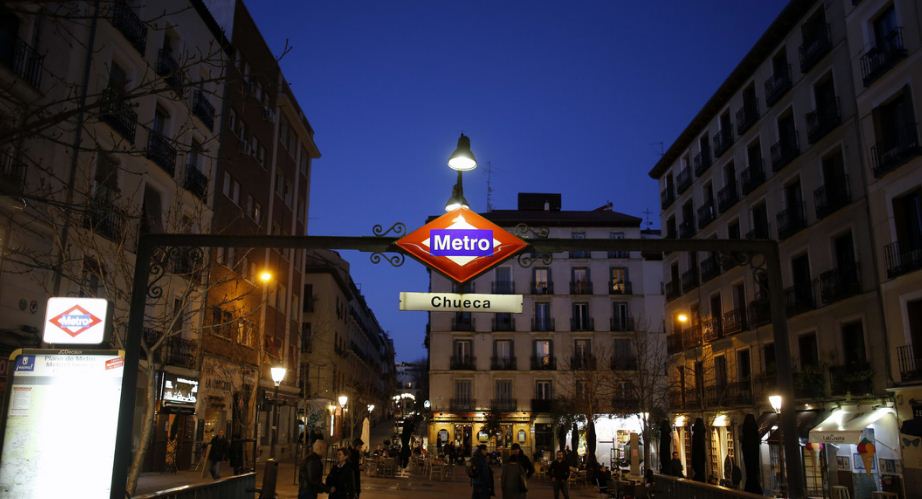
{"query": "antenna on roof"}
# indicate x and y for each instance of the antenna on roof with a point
(647, 220)
(489, 186)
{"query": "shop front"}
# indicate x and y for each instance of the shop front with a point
(224, 401)
(172, 444)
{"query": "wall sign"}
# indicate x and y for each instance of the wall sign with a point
(453, 302)
(76, 321)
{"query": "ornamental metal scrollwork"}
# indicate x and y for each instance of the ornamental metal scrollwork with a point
(185, 262)
(524, 231)
(528, 258)
(395, 259)
(398, 229)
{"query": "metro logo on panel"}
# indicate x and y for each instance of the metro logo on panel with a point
(461, 244)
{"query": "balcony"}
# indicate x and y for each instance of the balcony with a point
(582, 324)
(503, 287)
(463, 363)
(727, 196)
(118, 113)
(687, 229)
(752, 177)
(12, 174)
(674, 343)
(580, 287)
(503, 324)
(583, 363)
(130, 25)
(503, 363)
(831, 196)
(701, 162)
(910, 363)
(683, 180)
(851, 379)
(689, 280)
(784, 151)
(542, 324)
(902, 258)
(196, 182)
(161, 152)
(503, 405)
(462, 324)
(840, 283)
(168, 68)
(799, 298)
(706, 214)
(711, 328)
(815, 48)
(543, 363)
(722, 141)
(790, 221)
(777, 85)
(821, 122)
(180, 352)
(760, 312)
(666, 198)
(186, 263)
(461, 405)
(620, 288)
(881, 58)
(893, 153)
(621, 324)
(673, 289)
(24, 62)
(542, 288)
(203, 109)
(738, 393)
(542, 405)
(734, 321)
(760, 231)
(104, 220)
(745, 118)
(709, 268)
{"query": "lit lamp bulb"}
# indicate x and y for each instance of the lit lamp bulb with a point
(265, 276)
(462, 160)
(682, 318)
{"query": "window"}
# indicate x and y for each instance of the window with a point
(582, 354)
(620, 320)
(618, 281)
(195, 156)
(283, 132)
(720, 372)
(884, 25)
(617, 254)
(257, 212)
(503, 390)
(806, 345)
(743, 365)
(232, 121)
(544, 356)
(580, 318)
(907, 218)
(105, 185)
(161, 120)
(671, 228)
(151, 211)
(579, 254)
(543, 390)
(768, 357)
(463, 350)
(624, 357)
(579, 281)
(463, 390)
(118, 80)
(541, 281)
(733, 229)
(92, 278)
(303, 162)
(543, 316)
(219, 255)
(502, 349)
(853, 348)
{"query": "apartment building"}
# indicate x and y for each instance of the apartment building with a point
(344, 350)
(500, 379)
(810, 142)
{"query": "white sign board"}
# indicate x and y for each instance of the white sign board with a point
(60, 425)
(75, 321)
(454, 302)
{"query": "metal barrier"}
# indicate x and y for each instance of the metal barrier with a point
(232, 487)
(670, 486)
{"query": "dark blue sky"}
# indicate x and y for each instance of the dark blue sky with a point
(559, 96)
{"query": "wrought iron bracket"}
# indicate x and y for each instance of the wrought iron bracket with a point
(396, 259)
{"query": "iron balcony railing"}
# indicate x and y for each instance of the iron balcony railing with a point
(734, 321)
(673, 289)
(701, 162)
(196, 182)
(503, 324)
(666, 197)
(752, 177)
(130, 25)
(877, 61)
(691, 335)
(839, 283)
(785, 150)
(822, 121)
(791, 220)
(542, 288)
(892, 152)
(458, 405)
(722, 141)
(203, 109)
(168, 68)
(462, 324)
(620, 288)
(706, 214)
(582, 324)
(104, 220)
(118, 113)
(25, 62)
(799, 298)
(619, 254)
(579, 254)
(161, 152)
(181, 352)
(815, 48)
(620, 324)
(543, 363)
(709, 268)
(582, 363)
(503, 287)
(738, 393)
(580, 287)
(712, 328)
(727, 196)
(910, 361)
(503, 405)
(854, 379)
(463, 363)
(12, 174)
(542, 405)
(746, 117)
(831, 196)
(687, 228)
(542, 324)
(683, 180)
(903, 258)
(759, 231)
(503, 363)
(689, 280)
(778, 85)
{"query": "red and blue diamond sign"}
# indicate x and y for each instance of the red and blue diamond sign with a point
(75, 320)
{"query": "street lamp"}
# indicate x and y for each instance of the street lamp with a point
(343, 400)
(332, 409)
(371, 407)
(278, 374)
(265, 277)
(775, 401)
(462, 160)
(426, 404)
(682, 318)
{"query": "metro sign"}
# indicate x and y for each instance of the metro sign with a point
(75, 320)
(461, 244)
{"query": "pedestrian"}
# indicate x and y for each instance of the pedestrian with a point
(217, 453)
(341, 479)
(355, 457)
(523, 460)
(512, 480)
(310, 472)
(481, 474)
(675, 466)
(560, 473)
(736, 476)
(235, 454)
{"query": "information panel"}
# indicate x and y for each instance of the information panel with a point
(60, 424)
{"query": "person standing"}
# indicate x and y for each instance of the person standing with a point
(481, 474)
(560, 473)
(310, 472)
(355, 458)
(512, 480)
(217, 454)
(341, 479)
(523, 460)
(675, 466)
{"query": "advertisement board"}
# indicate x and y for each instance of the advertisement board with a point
(178, 394)
(60, 424)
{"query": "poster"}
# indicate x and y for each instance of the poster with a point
(60, 426)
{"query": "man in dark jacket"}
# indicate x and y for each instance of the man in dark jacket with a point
(523, 460)
(310, 472)
(481, 474)
(675, 466)
(217, 454)
(355, 458)
(560, 473)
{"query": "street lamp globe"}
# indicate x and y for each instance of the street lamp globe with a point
(371, 407)
(682, 318)
(343, 400)
(265, 277)
(426, 404)
(775, 401)
(462, 160)
(278, 374)
(457, 199)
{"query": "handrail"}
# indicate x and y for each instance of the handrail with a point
(670, 486)
(223, 485)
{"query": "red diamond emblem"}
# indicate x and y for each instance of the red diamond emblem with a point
(467, 244)
(75, 320)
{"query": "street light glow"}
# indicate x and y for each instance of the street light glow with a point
(371, 407)
(775, 401)
(265, 276)
(343, 399)
(278, 374)
(682, 317)
(462, 160)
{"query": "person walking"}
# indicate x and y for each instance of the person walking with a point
(560, 473)
(341, 479)
(355, 459)
(217, 454)
(512, 479)
(481, 474)
(310, 472)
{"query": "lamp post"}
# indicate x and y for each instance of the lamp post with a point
(343, 400)
(332, 409)
(462, 160)
(278, 374)
(775, 400)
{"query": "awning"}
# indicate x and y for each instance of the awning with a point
(844, 427)
(766, 422)
(807, 420)
(912, 427)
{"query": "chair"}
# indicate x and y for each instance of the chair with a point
(840, 492)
